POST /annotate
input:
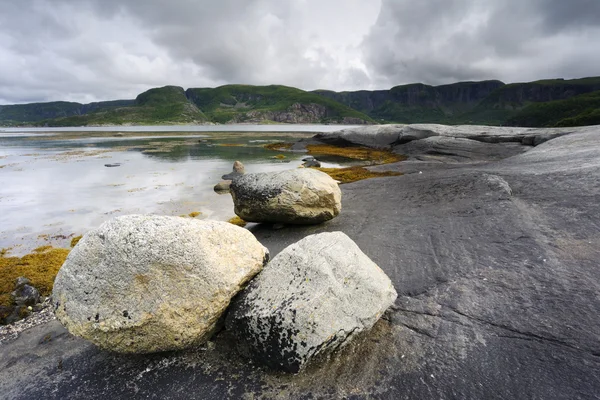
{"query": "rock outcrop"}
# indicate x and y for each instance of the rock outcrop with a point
(141, 284)
(313, 298)
(299, 196)
(388, 136)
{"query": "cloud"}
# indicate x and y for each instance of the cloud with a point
(443, 41)
(104, 49)
(89, 50)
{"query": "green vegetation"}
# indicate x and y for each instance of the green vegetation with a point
(575, 111)
(245, 103)
(485, 103)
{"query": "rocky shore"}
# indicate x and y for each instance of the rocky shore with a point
(491, 239)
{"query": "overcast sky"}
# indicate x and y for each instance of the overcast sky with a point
(89, 50)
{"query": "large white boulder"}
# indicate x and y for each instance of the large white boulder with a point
(312, 298)
(298, 196)
(141, 284)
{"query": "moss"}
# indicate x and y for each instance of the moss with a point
(75, 240)
(194, 214)
(278, 146)
(6, 300)
(353, 174)
(356, 153)
(237, 221)
(40, 267)
(279, 156)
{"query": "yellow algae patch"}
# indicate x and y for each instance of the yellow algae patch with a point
(353, 174)
(357, 153)
(75, 240)
(237, 221)
(278, 146)
(194, 214)
(40, 267)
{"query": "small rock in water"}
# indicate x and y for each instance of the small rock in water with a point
(311, 161)
(312, 298)
(222, 186)
(112, 165)
(238, 170)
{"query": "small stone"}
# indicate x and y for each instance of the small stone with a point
(26, 295)
(238, 170)
(21, 281)
(223, 186)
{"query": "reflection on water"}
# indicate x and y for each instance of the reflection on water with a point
(53, 185)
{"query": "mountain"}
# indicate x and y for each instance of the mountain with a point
(245, 103)
(485, 103)
(544, 103)
(417, 102)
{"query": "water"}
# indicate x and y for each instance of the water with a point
(54, 183)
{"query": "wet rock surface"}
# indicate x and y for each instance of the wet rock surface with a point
(312, 299)
(143, 284)
(496, 265)
(297, 196)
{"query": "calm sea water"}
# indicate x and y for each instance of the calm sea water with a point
(54, 183)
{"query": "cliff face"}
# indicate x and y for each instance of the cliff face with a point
(486, 102)
(518, 95)
(416, 95)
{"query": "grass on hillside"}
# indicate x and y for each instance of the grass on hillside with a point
(575, 111)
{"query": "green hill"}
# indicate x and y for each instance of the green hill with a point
(580, 110)
(245, 103)
(555, 102)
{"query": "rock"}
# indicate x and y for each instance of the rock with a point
(298, 196)
(313, 298)
(238, 170)
(388, 136)
(222, 186)
(112, 165)
(141, 284)
(310, 161)
(26, 295)
(21, 281)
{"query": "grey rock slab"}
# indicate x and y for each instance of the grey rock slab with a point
(387, 136)
(141, 284)
(313, 298)
(498, 296)
(297, 196)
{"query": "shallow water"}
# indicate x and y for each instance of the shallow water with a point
(55, 186)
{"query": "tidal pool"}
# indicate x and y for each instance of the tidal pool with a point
(54, 184)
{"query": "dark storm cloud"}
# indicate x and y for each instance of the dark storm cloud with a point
(442, 41)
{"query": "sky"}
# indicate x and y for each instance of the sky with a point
(93, 50)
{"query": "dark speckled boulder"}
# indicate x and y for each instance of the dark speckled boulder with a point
(297, 196)
(313, 298)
